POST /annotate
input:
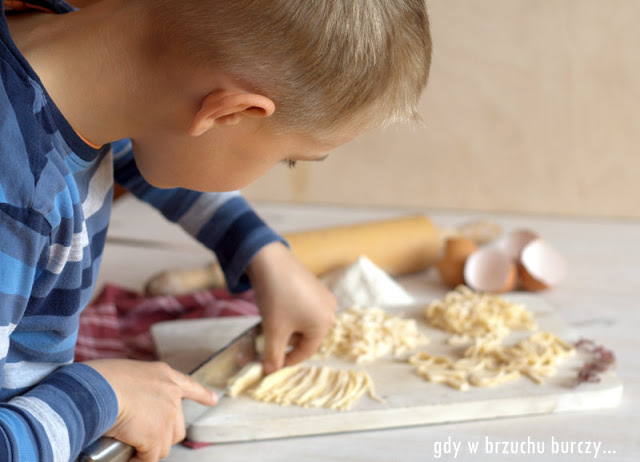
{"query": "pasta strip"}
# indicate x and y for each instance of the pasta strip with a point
(306, 386)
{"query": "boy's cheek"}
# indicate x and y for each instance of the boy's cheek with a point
(221, 160)
(164, 170)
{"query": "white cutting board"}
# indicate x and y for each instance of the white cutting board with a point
(410, 400)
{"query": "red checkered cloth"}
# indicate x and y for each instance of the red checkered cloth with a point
(117, 323)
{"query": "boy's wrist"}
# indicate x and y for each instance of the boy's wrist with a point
(266, 257)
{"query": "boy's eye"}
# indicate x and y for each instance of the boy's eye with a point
(289, 163)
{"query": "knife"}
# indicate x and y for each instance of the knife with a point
(214, 373)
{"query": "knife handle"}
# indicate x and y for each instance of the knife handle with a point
(107, 449)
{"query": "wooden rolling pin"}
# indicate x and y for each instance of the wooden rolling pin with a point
(399, 246)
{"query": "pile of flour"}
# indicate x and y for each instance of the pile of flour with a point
(366, 285)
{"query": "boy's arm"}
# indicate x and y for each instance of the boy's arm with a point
(50, 409)
(296, 308)
(72, 406)
(64, 413)
(223, 222)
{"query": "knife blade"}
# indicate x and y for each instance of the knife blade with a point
(214, 372)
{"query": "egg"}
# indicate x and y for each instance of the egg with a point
(451, 272)
(519, 258)
(513, 242)
(490, 269)
(457, 248)
(540, 266)
(451, 266)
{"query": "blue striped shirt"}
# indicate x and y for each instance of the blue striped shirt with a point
(55, 203)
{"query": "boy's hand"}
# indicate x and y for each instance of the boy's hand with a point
(149, 404)
(297, 309)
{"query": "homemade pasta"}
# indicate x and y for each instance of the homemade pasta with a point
(365, 334)
(475, 315)
(536, 357)
(463, 372)
(478, 322)
(303, 385)
(485, 320)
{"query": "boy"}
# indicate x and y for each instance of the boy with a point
(212, 94)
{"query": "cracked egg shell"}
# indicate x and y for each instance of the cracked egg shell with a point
(541, 267)
(514, 242)
(490, 269)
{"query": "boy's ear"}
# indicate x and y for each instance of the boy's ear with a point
(228, 108)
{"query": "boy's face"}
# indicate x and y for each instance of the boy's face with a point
(225, 158)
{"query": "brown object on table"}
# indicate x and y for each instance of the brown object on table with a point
(399, 246)
(175, 282)
(451, 266)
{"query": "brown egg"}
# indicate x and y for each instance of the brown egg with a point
(459, 248)
(541, 267)
(451, 266)
(490, 269)
(451, 272)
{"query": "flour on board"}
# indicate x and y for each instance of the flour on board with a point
(365, 284)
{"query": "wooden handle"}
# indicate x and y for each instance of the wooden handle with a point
(173, 282)
(398, 245)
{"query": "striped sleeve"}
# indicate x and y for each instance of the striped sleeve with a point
(223, 222)
(72, 406)
(66, 412)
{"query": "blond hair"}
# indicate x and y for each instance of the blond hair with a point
(324, 63)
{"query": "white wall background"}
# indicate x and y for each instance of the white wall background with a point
(533, 106)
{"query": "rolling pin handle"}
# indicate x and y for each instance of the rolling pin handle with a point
(107, 449)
